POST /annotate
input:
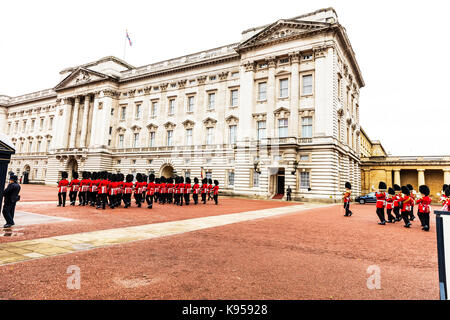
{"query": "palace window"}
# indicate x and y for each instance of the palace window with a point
(39, 146)
(307, 127)
(50, 125)
(136, 140)
(235, 74)
(231, 178)
(187, 174)
(169, 137)
(154, 108)
(210, 135)
(112, 111)
(138, 111)
(190, 106)
(24, 125)
(152, 139)
(30, 145)
(307, 85)
(255, 179)
(48, 145)
(9, 128)
(189, 137)
(120, 140)
(261, 133)
(41, 124)
(339, 94)
(110, 130)
(307, 57)
(284, 90)
(282, 128)
(304, 180)
(233, 130)
(171, 107)
(123, 113)
(33, 122)
(262, 90)
(304, 157)
(234, 98)
(211, 101)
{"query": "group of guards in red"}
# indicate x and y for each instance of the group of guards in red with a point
(103, 189)
(400, 201)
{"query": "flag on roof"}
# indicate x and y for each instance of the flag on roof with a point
(128, 37)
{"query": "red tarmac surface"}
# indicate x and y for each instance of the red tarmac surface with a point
(312, 254)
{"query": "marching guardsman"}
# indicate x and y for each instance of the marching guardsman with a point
(443, 197)
(95, 181)
(187, 190)
(346, 197)
(397, 204)
(195, 190)
(181, 188)
(144, 187)
(406, 206)
(446, 206)
(120, 178)
(381, 199)
(209, 189)
(162, 190)
(170, 190)
(215, 191)
(424, 208)
(113, 186)
(102, 190)
(412, 194)
(84, 188)
(62, 189)
(150, 190)
(204, 189)
(138, 190)
(73, 188)
(389, 204)
(176, 191)
(157, 188)
(128, 190)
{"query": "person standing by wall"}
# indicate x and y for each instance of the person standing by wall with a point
(288, 193)
(11, 195)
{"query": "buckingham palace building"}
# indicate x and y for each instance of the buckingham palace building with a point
(278, 109)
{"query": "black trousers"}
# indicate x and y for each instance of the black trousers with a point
(347, 209)
(288, 197)
(149, 199)
(389, 215)
(83, 198)
(138, 198)
(8, 212)
(187, 198)
(397, 213)
(216, 198)
(195, 198)
(102, 199)
(127, 199)
(204, 198)
(411, 213)
(380, 214)
(62, 198)
(424, 218)
(73, 196)
(405, 216)
(180, 200)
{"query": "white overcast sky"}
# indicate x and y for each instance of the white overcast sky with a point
(402, 48)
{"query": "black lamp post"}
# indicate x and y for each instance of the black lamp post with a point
(295, 167)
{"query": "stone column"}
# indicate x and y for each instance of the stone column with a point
(246, 101)
(446, 176)
(397, 177)
(271, 94)
(420, 177)
(73, 132)
(294, 94)
(85, 121)
(62, 125)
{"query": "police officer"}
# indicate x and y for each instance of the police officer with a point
(11, 195)
(288, 193)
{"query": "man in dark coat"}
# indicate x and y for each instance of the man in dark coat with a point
(11, 195)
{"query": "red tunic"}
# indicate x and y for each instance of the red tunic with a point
(128, 187)
(62, 186)
(74, 185)
(216, 190)
(187, 188)
(347, 197)
(407, 201)
(103, 186)
(151, 188)
(389, 202)
(196, 188)
(169, 187)
(381, 197)
(181, 186)
(204, 188)
(424, 204)
(84, 184)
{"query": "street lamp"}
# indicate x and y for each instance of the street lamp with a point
(295, 167)
(255, 166)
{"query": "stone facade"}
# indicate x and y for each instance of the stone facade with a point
(279, 108)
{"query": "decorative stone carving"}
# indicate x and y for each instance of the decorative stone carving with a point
(136, 128)
(164, 86)
(111, 93)
(294, 57)
(223, 75)
(320, 51)
(232, 120)
(152, 127)
(281, 113)
(201, 80)
(249, 66)
(147, 90)
(169, 125)
(259, 116)
(271, 62)
(121, 129)
(209, 122)
(188, 124)
(182, 83)
(82, 77)
(131, 93)
(340, 112)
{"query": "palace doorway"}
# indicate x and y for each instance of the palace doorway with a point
(72, 166)
(167, 171)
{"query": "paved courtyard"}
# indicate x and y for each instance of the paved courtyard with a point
(240, 249)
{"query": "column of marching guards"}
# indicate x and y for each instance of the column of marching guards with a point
(401, 201)
(104, 189)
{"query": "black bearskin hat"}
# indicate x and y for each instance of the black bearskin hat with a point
(139, 177)
(391, 191)
(188, 180)
(84, 174)
(382, 185)
(121, 177)
(170, 180)
(151, 177)
(348, 185)
(447, 192)
(424, 190)
(94, 175)
(157, 181)
(195, 180)
(410, 187)
(444, 187)
(144, 178)
(109, 176)
(405, 190)
(88, 175)
(397, 187)
(204, 181)
(75, 175)
(216, 182)
(64, 174)
(209, 181)
(130, 178)
(163, 179)
(181, 179)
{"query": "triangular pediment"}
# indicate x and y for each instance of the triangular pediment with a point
(6, 145)
(81, 76)
(282, 30)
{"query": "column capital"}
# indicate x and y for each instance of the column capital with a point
(420, 170)
(271, 62)
(294, 57)
(249, 66)
(77, 99)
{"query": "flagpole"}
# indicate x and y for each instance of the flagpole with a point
(124, 46)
